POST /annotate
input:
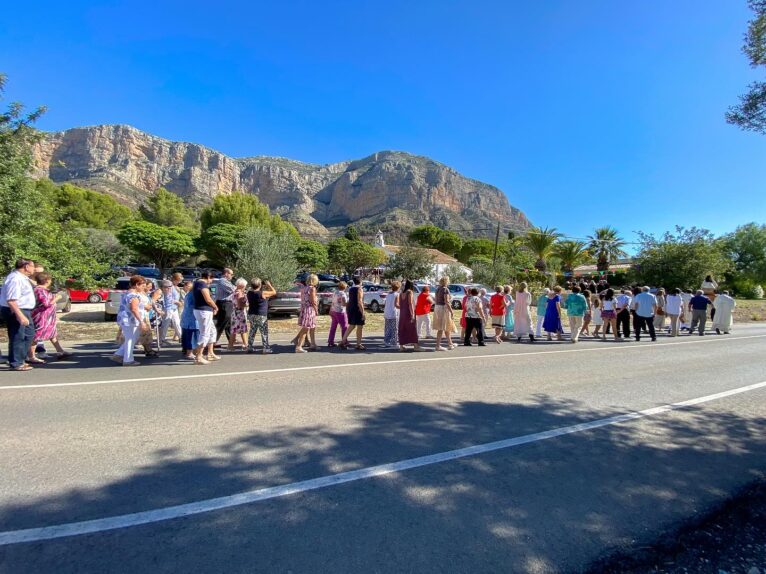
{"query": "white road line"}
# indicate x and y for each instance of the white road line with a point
(211, 375)
(212, 504)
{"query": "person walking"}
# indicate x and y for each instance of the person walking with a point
(686, 314)
(522, 320)
(660, 314)
(356, 315)
(258, 313)
(444, 324)
(552, 320)
(204, 311)
(338, 317)
(423, 307)
(674, 305)
(609, 313)
(239, 306)
(542, 306)
(131, 318)
(622, 308)
(586, 319)
(17, 299)
(724, 306)
(223, 295)
(408, 333)
(497, 309)
(391, 316)
(474, 318)
(308, 316)
(595, 315)
(698, 307)
(189, 326)
(169, 302)
(577, 305)
(44, 318)
(509, 307)
(645, 307)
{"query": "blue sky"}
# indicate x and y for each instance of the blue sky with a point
(584, 112)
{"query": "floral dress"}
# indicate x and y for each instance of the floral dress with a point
(308, 315)
(44, 315)
(239, 317)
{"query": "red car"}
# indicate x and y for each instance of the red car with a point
(81, 296)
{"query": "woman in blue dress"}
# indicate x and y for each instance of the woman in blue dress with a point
(508, 312)
(552, 321)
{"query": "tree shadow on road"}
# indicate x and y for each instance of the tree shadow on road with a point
(553, 505)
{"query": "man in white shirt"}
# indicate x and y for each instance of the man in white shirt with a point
(17, 299)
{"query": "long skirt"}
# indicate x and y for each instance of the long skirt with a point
(391, 332)
(408, 332)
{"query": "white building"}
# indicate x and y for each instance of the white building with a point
(440, 264)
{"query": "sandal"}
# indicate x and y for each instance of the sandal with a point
(35, 361)
(23, 368)
(361, 348)
(62, 356)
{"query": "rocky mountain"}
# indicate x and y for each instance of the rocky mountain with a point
(389, 189)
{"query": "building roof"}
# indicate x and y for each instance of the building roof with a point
(439, 257)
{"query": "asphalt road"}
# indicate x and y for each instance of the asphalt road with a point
(169, 467)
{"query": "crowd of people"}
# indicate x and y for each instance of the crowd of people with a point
(239, 309)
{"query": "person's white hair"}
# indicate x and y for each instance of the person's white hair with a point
(241, 283)
(546, 290)
(645, 288)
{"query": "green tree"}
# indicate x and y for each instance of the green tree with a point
(164, 246)
(311, 255)
(681, 259)
(103, 246)
(268, 255)
(80, 207)
(347, 256)
(750, 114)
(476, 248)
(606, 246)
(456, 273)
(351, 233)
(426, 235)
(244, 210)
(571, 254)
(434, 237)
(167, 209)
(449, 243)
(746, 249)
(220, 243)
(540, 241)
(410, 263)
(19, 200)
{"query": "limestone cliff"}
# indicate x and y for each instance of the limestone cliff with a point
(394, 189)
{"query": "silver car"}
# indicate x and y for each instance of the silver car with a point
(112, 303)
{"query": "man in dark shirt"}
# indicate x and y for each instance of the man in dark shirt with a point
(698, 307)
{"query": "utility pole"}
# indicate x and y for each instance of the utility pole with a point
(494, 254)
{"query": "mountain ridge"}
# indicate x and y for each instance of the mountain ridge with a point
(389, 188)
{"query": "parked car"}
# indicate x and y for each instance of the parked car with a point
(325, 291)
(64, 304)
(374, 296)
(287, 302)
(458, 291)
(113, 299)
(87, 295)
(329, 277)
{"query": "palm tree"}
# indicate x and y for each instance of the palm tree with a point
(540, 241)
(606, 246)
(571, 253)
